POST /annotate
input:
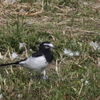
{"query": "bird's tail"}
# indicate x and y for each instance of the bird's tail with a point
(16, 63)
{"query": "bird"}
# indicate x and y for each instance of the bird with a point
(39, 60)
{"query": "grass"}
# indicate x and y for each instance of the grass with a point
(70, 24)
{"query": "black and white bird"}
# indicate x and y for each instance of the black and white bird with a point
(37, 61)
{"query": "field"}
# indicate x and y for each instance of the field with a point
(73, 26)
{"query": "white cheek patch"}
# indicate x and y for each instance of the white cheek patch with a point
(50, 44)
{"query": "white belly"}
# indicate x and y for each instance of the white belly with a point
(35, 63)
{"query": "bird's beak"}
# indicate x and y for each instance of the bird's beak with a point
(53, 47)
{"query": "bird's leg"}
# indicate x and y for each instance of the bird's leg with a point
(44, 75)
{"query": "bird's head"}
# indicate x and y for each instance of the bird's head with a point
(46, 45)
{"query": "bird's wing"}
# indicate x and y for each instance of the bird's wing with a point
(37, 54)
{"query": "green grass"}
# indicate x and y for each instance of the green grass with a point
(70, 24)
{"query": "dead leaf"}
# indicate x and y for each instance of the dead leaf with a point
(98, 62)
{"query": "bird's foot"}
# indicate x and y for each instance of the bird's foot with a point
(45, 77)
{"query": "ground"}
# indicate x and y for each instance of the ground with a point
(72, 26)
